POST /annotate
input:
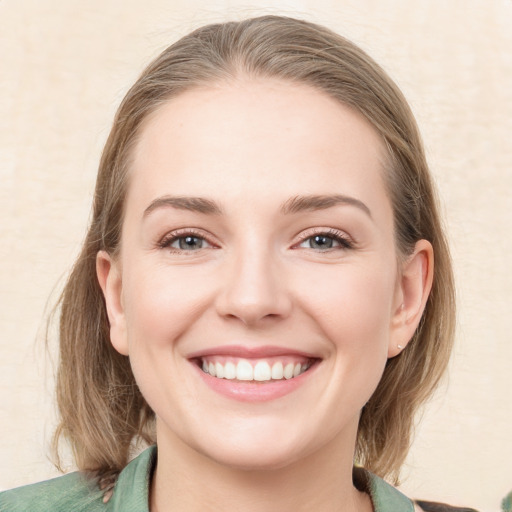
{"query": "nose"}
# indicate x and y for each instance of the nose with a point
(254, 291)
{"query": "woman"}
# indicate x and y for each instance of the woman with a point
(256, 293)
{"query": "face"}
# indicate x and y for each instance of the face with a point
(257, 291)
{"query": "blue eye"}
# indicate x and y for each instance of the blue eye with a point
(325, 241)
(187, 243)
(184, 241)
(321, 242)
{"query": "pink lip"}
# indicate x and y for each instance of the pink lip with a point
(257, 352)
(251, 391)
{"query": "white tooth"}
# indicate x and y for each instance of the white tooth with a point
(296, 370)
(229, 371)
(219, 370)
(262, 371)
(304, 368)
(205, 366)
(277, 371)
(244, 370)
(288, 371)
(211, 369)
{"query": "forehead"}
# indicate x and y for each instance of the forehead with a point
(256, 136)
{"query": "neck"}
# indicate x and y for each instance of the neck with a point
(186, 480)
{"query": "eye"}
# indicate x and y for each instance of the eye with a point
(325, 241)
(188, 243)
(184, 241)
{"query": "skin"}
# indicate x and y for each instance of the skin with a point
(251, 146)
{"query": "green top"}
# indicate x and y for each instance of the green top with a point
(506, 504)
(76, 493)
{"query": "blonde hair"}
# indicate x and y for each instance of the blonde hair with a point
(102, 410)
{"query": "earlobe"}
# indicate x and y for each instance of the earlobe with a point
(413, 289)
(109, 277)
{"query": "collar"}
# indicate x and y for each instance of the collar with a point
(131, 493)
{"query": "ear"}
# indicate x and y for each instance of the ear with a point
(109, 277)
(413, 288)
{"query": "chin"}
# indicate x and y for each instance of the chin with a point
(253, 460)
(273, 451)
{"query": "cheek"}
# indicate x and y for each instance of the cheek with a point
(353, 310)
(352, 303)
(160, 303)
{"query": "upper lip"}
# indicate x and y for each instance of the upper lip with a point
(250, 352)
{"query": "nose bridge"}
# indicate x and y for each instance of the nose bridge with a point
(254, 288)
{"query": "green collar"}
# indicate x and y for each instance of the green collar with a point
(78, 493)
(131, 492)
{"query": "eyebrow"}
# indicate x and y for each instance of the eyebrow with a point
(293, 205)
(321, 202)
(194, 204)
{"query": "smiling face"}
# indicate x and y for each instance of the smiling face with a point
(257, 291)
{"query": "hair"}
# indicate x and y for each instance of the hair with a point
(102, 411)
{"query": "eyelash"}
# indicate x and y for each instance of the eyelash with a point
(337, 236)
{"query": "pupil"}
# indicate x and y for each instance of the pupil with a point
(322, 242)
(190, 242)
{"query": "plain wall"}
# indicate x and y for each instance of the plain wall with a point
(65, 66)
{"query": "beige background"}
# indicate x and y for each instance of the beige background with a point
(65, 66)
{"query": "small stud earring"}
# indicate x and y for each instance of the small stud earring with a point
(400, 347)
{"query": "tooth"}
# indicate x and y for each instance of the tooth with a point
(262, 371)
(288, 371)
(219, 371)
(277, 371)
(230, 371)
(244, 371)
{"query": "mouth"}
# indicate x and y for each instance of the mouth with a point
(253, 375)
(255, 370)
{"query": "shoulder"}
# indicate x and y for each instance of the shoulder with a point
(434, 506)
(506, 504)
(385, 497)
(74, 492)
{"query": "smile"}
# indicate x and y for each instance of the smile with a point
(254, 373)
(273, 369)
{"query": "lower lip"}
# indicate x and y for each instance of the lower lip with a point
(253, 391)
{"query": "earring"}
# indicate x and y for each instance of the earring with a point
(400, 347)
